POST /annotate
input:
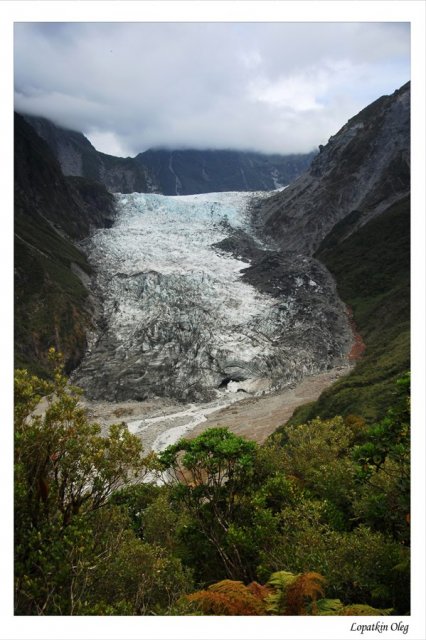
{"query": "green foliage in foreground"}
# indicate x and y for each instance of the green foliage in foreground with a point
(75, 551)
(279, 506)
(235, 528)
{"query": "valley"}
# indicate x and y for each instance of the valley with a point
(161, 422)
(181, 320)
(248, 348)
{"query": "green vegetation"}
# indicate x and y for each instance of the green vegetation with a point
(75, 553)
(233, 529)
(372, 270)
(50, 300)
(51, 211)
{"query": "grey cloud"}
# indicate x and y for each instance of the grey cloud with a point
(281, 87)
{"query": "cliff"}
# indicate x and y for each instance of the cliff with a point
(51, 213)
(362, 170)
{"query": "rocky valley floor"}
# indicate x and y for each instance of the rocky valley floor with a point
(160, 422)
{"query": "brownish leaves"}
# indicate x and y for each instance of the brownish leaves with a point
(303, 592)
(232, 598)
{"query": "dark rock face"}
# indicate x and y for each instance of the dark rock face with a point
(78, 157)
(180, 172)
(51, 212)
(189, 171)
(73, 206)
(362, 170)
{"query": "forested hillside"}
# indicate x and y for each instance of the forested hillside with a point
(51, 213)
(234, 528)
(372, 270)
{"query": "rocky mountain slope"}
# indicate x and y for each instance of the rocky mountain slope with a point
(351, 210)
(78, 157)
(170, 172)
(51, 213)
(362, 170)
(190, 171)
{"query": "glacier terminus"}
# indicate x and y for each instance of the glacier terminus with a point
(180, 317)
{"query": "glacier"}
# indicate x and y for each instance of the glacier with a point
(180, 318)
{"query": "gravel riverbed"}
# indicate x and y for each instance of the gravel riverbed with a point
(161, 422)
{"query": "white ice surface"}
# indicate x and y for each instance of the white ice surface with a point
(172, 236)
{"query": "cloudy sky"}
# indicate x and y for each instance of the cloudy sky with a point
(272, 87)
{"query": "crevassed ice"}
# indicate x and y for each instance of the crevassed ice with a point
(172, 236)
(177, 318)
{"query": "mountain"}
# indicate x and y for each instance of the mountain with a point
(362, 170)
(175, 172)
(52, 213)
(189, 171)
(78, 157)
(351, 211)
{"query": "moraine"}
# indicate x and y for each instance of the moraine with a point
(180, 320)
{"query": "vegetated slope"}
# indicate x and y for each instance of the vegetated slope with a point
(170, 172)
(51, 212)
(351, 210)
(364, 168)
(372, 269)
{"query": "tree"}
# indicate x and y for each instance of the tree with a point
(361, 565)
(65, 472)
(211, 474)
(390, 437)
(383, 466)
(63, 462)
(316, 454)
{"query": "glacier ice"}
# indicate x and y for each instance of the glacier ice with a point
(178, 319)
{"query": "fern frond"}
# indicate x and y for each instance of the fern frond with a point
(282, 579)
(259, 591)
(328, 607)
(230, 598)
(307, 587)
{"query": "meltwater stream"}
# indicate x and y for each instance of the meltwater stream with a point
(177, 321)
